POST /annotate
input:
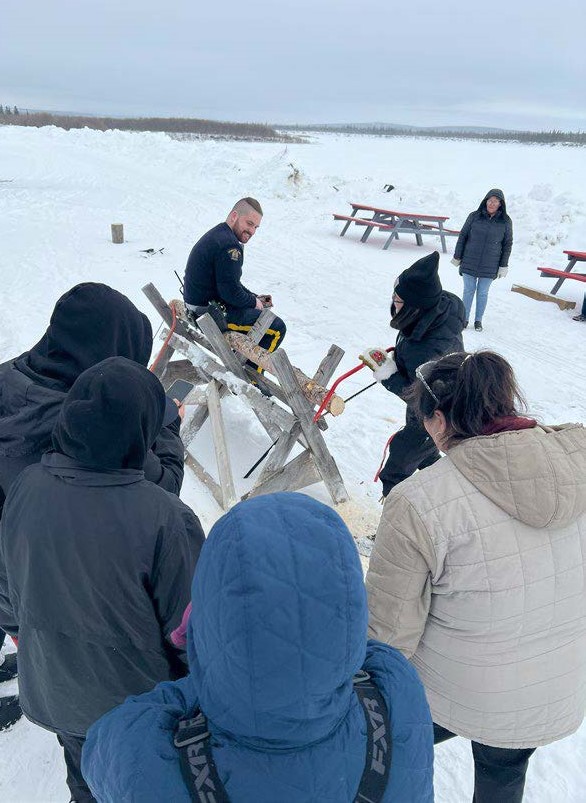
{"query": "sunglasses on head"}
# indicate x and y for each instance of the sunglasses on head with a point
(423, 372)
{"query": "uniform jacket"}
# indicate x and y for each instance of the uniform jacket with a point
(437, 332)
(478, 575)
(90, 323)
(485, 242)
(214, 271)
(95, 561)
(277, 631)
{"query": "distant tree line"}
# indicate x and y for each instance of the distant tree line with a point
(546, 137)
(173, 125)
(8, 110)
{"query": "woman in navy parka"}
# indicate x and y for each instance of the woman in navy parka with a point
(483, 250)
(276, 634)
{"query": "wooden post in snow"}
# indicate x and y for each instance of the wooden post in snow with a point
(117, 233)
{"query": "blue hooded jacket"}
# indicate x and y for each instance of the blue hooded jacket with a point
(277, 631)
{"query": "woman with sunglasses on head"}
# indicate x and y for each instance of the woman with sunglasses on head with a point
(478, 573)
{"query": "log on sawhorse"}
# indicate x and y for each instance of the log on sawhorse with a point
(287, 416)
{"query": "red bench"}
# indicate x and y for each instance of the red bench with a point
(580, 277)
(573, 258)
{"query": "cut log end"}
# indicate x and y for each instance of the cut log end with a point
(179, 306)
(336, 405)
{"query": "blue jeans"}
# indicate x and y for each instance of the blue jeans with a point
(472, 285)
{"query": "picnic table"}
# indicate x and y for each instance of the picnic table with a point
(562, 275)
(396, 222)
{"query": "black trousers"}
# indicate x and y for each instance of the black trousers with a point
(410, 449)
(72, 746)
(242, 320)
(499, 772)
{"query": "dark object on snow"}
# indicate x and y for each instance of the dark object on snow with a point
(582, 315)
(10, 711)
(149, 252)
(388, 187)
(8, 667)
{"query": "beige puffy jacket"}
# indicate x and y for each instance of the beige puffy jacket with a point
(478, 574)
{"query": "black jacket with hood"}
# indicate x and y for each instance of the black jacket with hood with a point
(437, 332)
(430, 323)
(96, 562)
(89, 323)
(485, 242)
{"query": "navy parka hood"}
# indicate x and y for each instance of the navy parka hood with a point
(111, 416)
(497, 194)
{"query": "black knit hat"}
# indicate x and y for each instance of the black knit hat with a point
(419, 286)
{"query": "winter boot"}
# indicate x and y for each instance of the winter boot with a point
(478, 326)
(10, 711)
(465, 324)
(579, 318)
(8, 668)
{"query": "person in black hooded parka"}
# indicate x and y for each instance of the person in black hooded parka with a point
(89, 323)
(95, 561)
(483, 250)
(430, 323)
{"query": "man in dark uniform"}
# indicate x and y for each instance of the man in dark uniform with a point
(214, 271)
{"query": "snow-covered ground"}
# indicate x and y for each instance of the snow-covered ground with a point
(60, 191)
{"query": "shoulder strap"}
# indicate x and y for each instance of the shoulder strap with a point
(199, 771)
(379, 742)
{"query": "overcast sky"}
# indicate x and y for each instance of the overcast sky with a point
(518, 63)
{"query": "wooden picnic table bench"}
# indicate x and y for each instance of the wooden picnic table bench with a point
(396, 222)
(573, 258)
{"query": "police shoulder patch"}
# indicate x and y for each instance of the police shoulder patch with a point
(234, 253)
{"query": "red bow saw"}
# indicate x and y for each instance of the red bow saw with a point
(378, 356)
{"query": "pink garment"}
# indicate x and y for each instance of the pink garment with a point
(179, 635)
